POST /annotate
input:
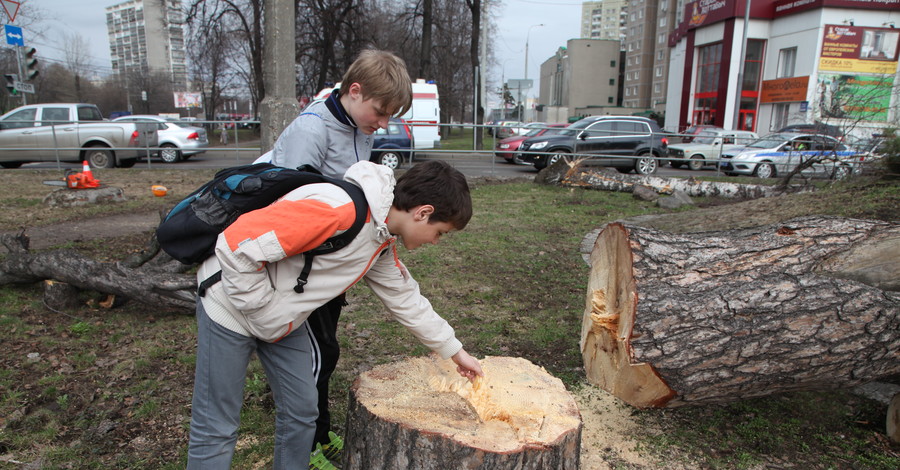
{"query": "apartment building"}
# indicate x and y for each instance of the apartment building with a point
(640, 40)
(666, 22)
(603, 20)
(147, 36)
(581, 79)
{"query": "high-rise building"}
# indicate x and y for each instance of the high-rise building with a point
(147, 36)
(603, 19)
(640, 47)
(666, 23)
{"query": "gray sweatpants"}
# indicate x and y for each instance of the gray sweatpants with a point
(221, 369)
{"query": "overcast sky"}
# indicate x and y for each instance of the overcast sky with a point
(561, 20)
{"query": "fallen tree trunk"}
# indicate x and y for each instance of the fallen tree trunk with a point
(419, 413)
(677, 319)
(152, 284)
(578, 174)
(606, 179)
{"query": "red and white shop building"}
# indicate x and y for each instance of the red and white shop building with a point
(806, 61)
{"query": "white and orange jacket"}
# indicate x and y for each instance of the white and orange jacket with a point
(260, 258)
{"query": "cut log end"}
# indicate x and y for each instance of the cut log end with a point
(608, 322)
(419, 413)
(679, 319)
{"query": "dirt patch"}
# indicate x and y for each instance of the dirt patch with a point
(95, 228)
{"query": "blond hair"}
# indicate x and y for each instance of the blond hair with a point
(382, 76)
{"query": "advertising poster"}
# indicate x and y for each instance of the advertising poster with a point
(859, 49)
(861, 97)
(188, 100)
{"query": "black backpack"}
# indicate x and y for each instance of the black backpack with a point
(189, 231)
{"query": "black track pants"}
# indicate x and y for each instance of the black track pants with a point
(323, 323)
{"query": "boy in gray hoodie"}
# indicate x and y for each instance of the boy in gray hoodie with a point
(329, 136)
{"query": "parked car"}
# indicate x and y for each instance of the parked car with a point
(624, 142)
(495, 125)
(817, 128)
(688, 135)
(508, 148)
(70, 132)
(178, 140)
(393, 144)
(780, 153)
(707, 147)
(248, 122)
(507, 129)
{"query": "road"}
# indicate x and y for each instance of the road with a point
(482, 164)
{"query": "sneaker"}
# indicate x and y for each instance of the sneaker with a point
(318, 461)
(333, 449)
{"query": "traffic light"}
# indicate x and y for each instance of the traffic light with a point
(11, 80)
(31, 64)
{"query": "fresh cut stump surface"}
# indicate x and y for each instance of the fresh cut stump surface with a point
(420, 413)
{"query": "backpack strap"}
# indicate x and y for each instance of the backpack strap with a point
(329, 246)
(208, 282)
(338, 241)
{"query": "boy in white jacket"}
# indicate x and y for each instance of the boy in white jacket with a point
(255, 308)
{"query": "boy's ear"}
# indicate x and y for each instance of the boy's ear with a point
(355, 89)
(423, 212)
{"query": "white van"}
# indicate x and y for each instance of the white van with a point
(424, 117)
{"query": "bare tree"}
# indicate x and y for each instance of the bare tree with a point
(327, 41)
(76, 49)
(242, 22)
(425, 49)
(208, 47)
(477, 72)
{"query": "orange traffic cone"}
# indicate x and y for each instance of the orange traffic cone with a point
(88, 175)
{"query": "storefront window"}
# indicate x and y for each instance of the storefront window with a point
(780, 115)
(753, 64)
(706, 90)
(750, 85)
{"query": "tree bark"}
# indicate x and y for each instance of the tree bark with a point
(419, 413)
(154, 283)
(678, 319)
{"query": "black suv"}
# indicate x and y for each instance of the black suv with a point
(624, 142)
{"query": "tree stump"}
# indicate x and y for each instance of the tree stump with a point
(677, 319)
(60, 295)
(419, 413)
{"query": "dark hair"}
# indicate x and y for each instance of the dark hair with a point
(438, 184)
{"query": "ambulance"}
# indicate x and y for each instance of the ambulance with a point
(424, 117)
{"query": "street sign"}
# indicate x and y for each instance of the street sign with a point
(15, 9)
(518, 83)
(24, 87)
(13, 35)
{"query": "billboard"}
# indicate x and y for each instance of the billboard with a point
(859, 49)
(862, 97)
(185, 99)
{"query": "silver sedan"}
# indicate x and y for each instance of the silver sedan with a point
(178, 140)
